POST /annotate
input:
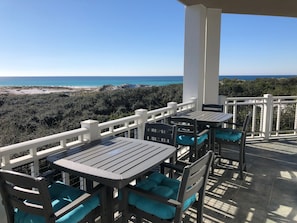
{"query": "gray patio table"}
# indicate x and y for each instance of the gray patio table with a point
(113, 162)
(213, 119)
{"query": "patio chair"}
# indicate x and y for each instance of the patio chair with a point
(212, 107)
(30, 199)
(229, 138)
(188, 135)
(159, 198)
(160, 132)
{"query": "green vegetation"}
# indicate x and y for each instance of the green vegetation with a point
(25, 117)
(258, 87)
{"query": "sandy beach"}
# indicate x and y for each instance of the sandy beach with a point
(47, 90)
(44, 90)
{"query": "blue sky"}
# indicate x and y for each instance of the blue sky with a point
(115, 37)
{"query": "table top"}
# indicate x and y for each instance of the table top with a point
(114, 162)
(208, 116)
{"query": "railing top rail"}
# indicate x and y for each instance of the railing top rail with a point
(41, 141)
(244, 98)
(159, 110)
(284, 97)
(118, 121)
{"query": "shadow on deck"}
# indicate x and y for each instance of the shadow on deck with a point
(268, 193)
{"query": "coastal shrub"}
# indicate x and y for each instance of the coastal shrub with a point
(25, 117)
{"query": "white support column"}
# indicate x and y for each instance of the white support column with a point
(212, 54)
(194, 55)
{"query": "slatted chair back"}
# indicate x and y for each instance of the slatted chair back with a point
(194, 179)
(159, 198)
(187, 135)
(160, 132)
(246, 122)
(32, 200)
(212, 107)
(245, 125)
(25, 193)
(185, 127)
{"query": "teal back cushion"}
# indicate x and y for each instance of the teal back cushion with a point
(161, 185)
(61, 195)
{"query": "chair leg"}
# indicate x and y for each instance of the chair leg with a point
(244, 163)
(241, 165)
(192, 154)
(199, 208)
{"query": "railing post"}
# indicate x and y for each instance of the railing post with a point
(195, 102)
(295, 122)
(222, 101)
(142, 113)
(93, 128)
(173, 106)
(267, 116)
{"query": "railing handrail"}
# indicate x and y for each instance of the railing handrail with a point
(34, 143)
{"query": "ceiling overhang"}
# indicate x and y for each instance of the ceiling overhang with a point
(254, 7)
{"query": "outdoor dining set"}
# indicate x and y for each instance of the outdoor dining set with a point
(157, 178)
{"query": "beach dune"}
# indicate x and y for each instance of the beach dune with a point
(42, 90)
(23, 90)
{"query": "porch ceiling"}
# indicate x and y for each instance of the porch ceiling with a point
(254, 7)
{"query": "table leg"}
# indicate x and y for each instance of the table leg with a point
(108, 206)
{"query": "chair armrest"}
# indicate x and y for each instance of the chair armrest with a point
(151, 196)
(205, 131)
(178, 165)
(81, 199)
(233, 123)
(72, 205)
(49, 175)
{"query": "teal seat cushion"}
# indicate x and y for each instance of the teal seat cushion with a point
(228, 135)
(160, 185)
(189, 141)
(61, 195)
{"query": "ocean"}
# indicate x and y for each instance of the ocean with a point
(94, 81)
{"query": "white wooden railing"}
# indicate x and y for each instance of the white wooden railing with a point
(268, 113)
(273, 117)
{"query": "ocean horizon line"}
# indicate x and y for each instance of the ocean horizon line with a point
(97, 81)
(238, 75)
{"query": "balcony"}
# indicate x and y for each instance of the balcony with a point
(268, 193)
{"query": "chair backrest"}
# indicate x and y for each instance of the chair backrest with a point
(160, 132)
(246, 121)
(185, 126)
(212, 107)
(194, 179)
(26, 193)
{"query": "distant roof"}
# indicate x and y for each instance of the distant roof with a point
(254, 7)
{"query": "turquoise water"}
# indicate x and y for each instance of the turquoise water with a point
(92, 81)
